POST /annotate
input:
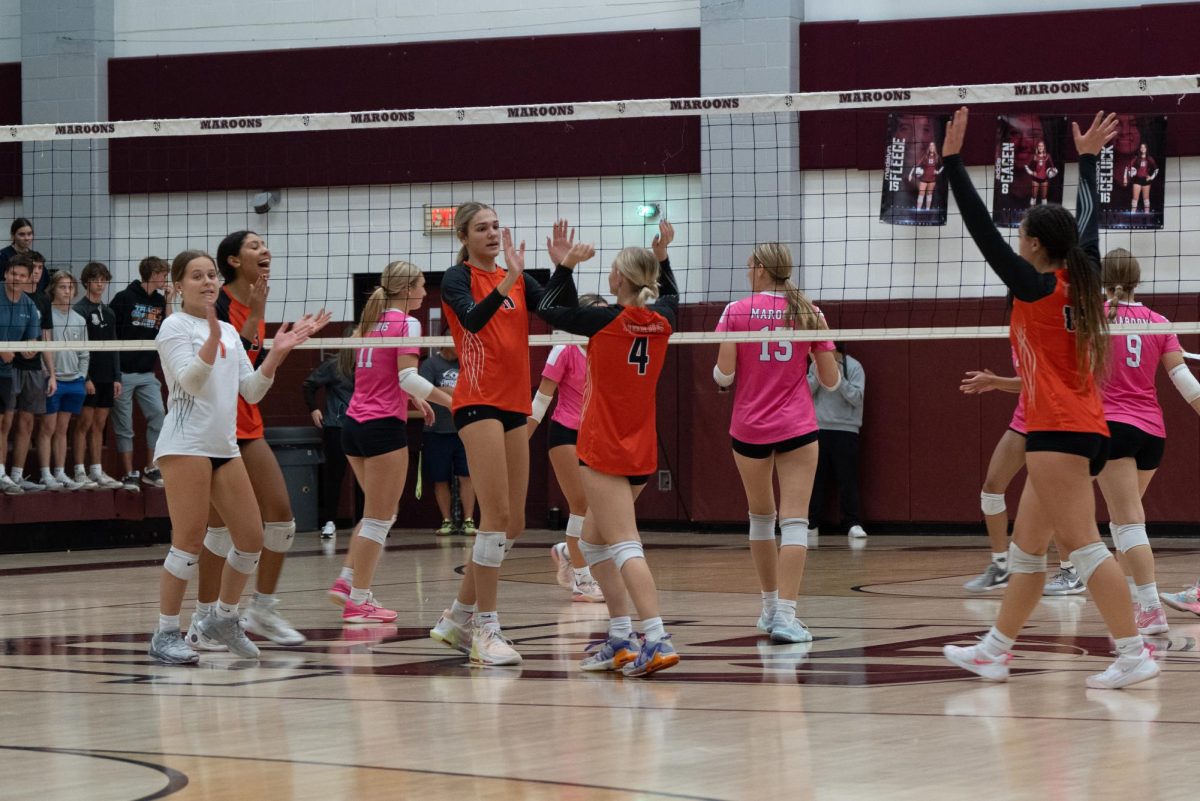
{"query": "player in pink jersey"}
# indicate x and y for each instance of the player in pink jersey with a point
(374, 436)
(774, 427)
(1135, 421)
(566, 372)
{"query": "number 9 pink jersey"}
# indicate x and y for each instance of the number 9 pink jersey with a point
(771, 401)
(1128, 394)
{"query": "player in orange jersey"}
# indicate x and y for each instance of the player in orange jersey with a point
(618, 442)
(487, 306)
(245, 264)
(1060, 333)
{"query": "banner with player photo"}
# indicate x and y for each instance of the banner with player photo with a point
(1132, 174)
(914, 184)
(1029, 165)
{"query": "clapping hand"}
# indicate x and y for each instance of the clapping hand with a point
(559, 243)
(514, 257)
(1099, 133)
(665, 236)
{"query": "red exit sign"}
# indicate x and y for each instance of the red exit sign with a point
(439, 219)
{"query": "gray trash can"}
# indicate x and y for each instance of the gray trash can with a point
(298, 450)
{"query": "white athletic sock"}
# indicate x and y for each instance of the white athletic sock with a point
(168, 622)
(202, 609)
(770, 600)
(80, 469)
(357, 596)
(996, 644)
(1065, 565)
(583, 575)
(488, 620)
(620, 627)
(1147, 595)
(1000, 558)
(95, 470)
(18, 473)
(1132, 587)
(347, 573)
(654, 630)
(47, 473)
(786, 609)
(59, 472)
(1130, 646)
(460, 613)
(263, 598)
(225, 610)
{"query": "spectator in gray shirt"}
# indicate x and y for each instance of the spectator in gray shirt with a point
(70, 369)
(839, 418)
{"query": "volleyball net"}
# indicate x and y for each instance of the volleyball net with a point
(850, 181)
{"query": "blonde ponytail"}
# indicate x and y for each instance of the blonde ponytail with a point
(776, 259)
(462, 224)
(397, 279)
(1120, 274)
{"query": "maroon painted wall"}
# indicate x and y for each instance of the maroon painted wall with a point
(517, 71)
(1010, 48)
(10, 114)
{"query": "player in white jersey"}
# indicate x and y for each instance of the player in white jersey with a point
(1135, 421)
(205, 366)
(774, 427)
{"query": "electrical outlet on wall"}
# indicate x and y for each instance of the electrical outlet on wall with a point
(664, 480)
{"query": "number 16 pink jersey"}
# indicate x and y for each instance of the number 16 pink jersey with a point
(771, 401)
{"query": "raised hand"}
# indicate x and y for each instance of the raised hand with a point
(1099, 133)
(514, 257)
(210, 314)
(666, 235)
(558, 243)
(289, 336)
(956, 131)
(580, 251)
(258, 294)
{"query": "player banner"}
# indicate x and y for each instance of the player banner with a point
(914, 186)
(1029, 161)
(1132, 174)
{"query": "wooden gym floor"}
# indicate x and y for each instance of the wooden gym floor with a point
(867, 711)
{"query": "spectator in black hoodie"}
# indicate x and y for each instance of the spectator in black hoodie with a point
(140, 309)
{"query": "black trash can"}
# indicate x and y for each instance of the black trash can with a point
(298, 450)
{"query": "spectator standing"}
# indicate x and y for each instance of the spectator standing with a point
(839, 417)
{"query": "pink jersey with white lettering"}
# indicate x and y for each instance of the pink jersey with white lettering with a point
(1128, 394)
(567, 365)
(377, 392)
(1018, 419)
(771, 401)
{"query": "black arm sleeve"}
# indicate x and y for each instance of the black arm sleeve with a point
(1026, 283)
(1087, 203)
(585, 322)
(456, 293)
(668, 298)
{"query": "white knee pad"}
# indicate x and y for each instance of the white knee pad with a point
(375, 530)
(1088, 558)
(1127, 536)
(793, 532)
(181, 564)
(575, 526)
(1021, 562)
(992, 503)
(622, 552)
(278, 537)
(218, 541)
(762, 527)
(489, 549)
(241, 561)
(594, 554)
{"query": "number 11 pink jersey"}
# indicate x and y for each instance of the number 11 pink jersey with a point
(771, 401)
